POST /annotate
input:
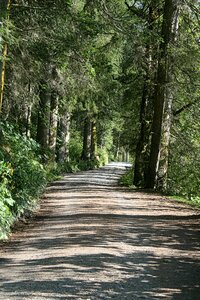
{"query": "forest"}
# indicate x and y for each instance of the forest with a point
(84, 82)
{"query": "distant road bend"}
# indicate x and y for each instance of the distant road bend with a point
(94, 240)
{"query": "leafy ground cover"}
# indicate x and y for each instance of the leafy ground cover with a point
(192, 200)
(23, 176)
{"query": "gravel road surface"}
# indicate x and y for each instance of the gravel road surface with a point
(93, 240)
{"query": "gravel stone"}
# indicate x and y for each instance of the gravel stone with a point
(94, 240)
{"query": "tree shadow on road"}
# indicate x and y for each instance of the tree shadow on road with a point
(83, 245)
(115, 257)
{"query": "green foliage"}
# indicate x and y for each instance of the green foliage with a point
(103, 156)
(29, 178)
(98, 49)
(75, 146)
(76, 166)
(87, 165)
(184, 177)
(195, 202)
(184, 164)
(53, 171)
(22, 176)
(6, 200)
(127, 178)
(69, 167)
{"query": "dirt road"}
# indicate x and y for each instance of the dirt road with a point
(94, 240)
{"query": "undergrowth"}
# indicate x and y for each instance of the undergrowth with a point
(23, 177)
(127, 179)
(192, 200)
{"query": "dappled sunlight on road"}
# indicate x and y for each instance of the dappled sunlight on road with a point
(94, 240)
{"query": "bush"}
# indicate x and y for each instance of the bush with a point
(75, 147)
(88, 165)
(184, 160)
(127, 178)
(184, 172)
(22, 176)
(103, 156)
(6, 200)
(69, 167)
(76, 166)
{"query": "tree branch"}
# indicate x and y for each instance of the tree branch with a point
(138, 12)
(184, 107)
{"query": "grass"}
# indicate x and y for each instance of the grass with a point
(194, 202)
(127, 181)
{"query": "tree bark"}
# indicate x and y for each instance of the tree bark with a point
(86, 139)
(4, 13)
(141, 155)
(27, 120)
(161, 182)
(146, 109)
(170, 13)
(26, 111)
(64, 137)
(53, 124)
(93, 140)
(43, 116)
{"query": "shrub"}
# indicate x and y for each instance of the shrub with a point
(103, 156)
(75, 147)
(6, 200)
(127, 178)
(22, 175)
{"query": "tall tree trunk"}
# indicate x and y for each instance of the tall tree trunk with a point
(4, 13)
(161, 183)
(53, 124)
(86, 139)
(146, 108)
(27, 120)
(27, 111)
(170, 13)
(141, 155)
(43, 116)
(64, 137)
(93, 140)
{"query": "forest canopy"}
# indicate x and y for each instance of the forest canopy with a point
(86, 82)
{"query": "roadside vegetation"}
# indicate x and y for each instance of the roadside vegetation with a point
(126, 180)
(87, 82)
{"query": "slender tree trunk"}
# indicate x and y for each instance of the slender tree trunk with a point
(53, 124)
(43, 117)
(27, 111)
(117, 147)
(170, 9)
(141, 156)
(86, 139)
(4, 13)
(93, 140)
(161, 183)
(64, 137)
(146, 110)
(127, 156)
(27, 120)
